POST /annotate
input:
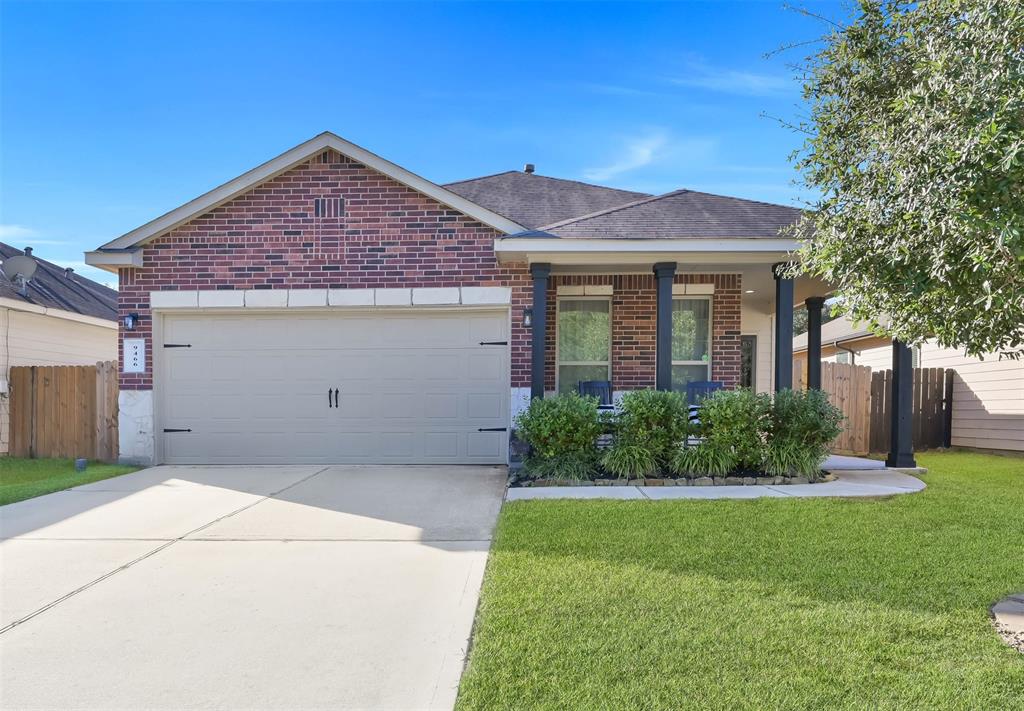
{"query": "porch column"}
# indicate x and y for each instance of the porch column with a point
(901, 447)
(814, 305)
(783, 329)
(538, 329)
(664, 275)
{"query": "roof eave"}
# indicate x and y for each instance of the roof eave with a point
(600, 251)
(640, 244)
(113, 259)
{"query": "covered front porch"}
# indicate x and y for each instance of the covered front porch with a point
(636, 314)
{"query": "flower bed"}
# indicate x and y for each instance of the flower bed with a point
(742, 438)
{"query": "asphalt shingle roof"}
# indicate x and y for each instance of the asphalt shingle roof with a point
(838, 329)
(682, 214)
(533, 200)
(54, 288)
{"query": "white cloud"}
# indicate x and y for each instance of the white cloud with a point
(650, 149)
(15, 232)
(735, 81)
(636, 153)
(29, 235)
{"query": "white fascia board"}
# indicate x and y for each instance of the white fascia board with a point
(640, 246)
(15, 305)
(112, 261)
(291, 158)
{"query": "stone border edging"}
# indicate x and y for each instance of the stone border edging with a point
(872, 482)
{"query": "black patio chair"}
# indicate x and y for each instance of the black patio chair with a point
(697, 391)
(700, 389)
(601, 389)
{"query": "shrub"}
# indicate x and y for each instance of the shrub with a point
(630, 461)
(653, 419)
(802, 424)
(705, 459)
(562, 433)
(572, 465)
(736, 422)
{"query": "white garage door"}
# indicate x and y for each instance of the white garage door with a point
(401, 387)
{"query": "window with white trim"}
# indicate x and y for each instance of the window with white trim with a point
(584, 341)
(691, 341)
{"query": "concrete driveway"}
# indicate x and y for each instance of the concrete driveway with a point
(298, 587)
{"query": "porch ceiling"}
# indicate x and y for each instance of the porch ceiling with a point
(757, 282)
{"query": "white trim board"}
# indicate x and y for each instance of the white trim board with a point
(312, 298)
(15, 305)
(565, 245)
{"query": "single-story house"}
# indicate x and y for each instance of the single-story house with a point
(988, 392)
(56, 318)
(332, 306)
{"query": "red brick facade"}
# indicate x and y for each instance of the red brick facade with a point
(634, 310)
(388, 235)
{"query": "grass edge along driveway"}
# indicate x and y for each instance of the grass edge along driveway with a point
(22, 479)
(767, 603)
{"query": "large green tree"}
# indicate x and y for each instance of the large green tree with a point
(916, 149)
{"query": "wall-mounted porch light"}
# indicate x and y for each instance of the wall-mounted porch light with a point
(130, 321)
(527, 318)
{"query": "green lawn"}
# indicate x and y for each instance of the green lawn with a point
(24, 478)
(770, 603)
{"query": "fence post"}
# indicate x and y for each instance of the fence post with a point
(947, 410)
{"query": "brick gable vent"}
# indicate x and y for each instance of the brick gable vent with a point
(328, 207)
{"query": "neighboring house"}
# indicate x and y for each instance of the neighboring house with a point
(60, 319)
(988, 393)
(331, 306)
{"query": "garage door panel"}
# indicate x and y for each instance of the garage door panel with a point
(440, 406)
(484, 445)
(441, 445)
(486, 329)
(411, 388)
(482, 366)
(484, 406)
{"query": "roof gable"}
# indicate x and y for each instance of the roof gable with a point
(284, 162)
(54, 287)
(681, 214)
(534, 200)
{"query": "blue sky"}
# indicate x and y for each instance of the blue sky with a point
(114, 113)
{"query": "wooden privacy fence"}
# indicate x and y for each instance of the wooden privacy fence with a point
(933, 406)
(849, 389)
(64, 411)
(864, 397)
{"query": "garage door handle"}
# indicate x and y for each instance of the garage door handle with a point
(329, 403)
(171, 429)
(335, 397)
(492, 429)
(493, 343)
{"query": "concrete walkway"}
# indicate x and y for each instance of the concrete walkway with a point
(281, 587)
(862, 482)
(1009, 617)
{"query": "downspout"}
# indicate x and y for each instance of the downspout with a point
(853, 353)
(835, 344)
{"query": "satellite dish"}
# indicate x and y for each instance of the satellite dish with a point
(19, 267)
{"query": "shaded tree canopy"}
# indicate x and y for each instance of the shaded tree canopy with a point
(916, 147)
